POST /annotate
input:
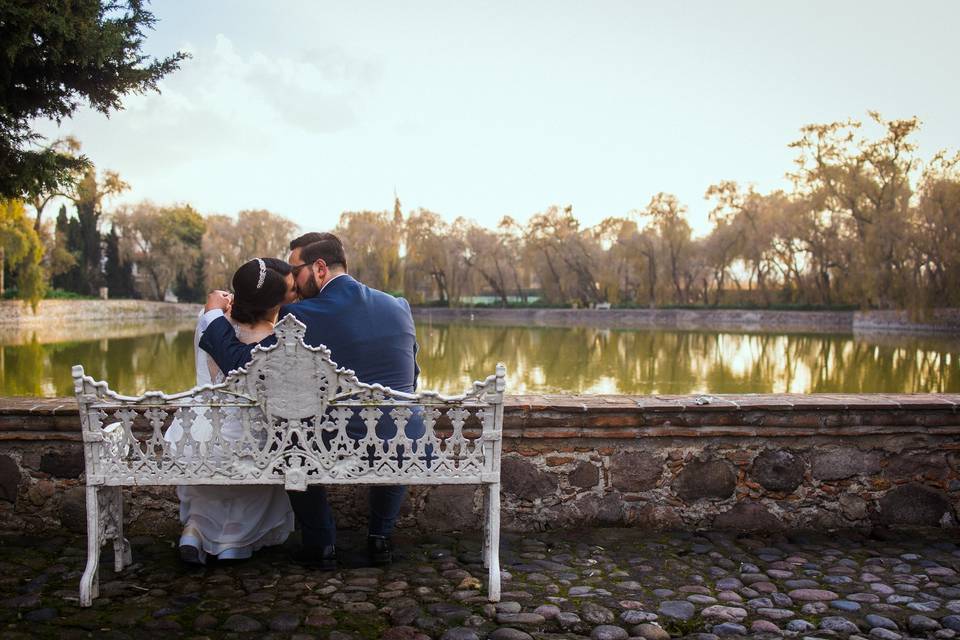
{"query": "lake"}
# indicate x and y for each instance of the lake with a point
(159, 355)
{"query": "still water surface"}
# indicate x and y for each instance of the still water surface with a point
(134, 358)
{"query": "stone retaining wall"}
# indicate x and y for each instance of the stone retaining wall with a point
(741, 462)
(754, 320)
(14, 313)
(936, 321)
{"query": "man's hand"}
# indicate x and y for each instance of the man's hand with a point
(217, 299)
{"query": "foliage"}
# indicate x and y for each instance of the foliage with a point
(49, 294)
(22, 250)
(373, 241)
(58, 55)
(164, 242)
(867, 224)
(118, 271)
(228, 243)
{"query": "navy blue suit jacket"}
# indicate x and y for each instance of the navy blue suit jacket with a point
(366, 330)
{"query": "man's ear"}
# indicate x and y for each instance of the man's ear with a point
(320, 268)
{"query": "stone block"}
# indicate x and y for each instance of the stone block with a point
(594, 509)
(853, 507)
(585, 476)
(914, 504)
(748, 516)
(522, 479)
(844, 462)
(64, 463)
(10, 478)
(634, 471)
(652, 517)
(913, 464)
(73, 510)
(449, 507)
(778, 470)
(701, 480)
(156, 522)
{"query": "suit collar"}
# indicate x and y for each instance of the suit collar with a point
(330, 281)
(335, 283)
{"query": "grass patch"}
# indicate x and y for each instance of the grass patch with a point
(365, 625)
(681, 628)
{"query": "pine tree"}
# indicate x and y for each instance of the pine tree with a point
(119, 273)
(189, 286)
(67, 274)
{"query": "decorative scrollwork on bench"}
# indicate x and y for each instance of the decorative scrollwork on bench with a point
(290, 417)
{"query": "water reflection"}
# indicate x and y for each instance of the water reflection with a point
(539, 359)
(590, 360)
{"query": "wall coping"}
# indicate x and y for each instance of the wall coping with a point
(937, 321)
(626, 417)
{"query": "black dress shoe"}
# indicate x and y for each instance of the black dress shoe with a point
(379, 550)
(317, 557)
(192, 555)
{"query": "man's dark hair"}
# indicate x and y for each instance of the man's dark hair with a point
(309, 238)
(329, 248)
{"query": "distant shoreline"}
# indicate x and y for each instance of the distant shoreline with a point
(942, 321)
(15, 315)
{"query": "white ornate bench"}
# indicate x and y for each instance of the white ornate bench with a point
(283, 420)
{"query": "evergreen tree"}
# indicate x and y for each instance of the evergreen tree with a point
(58, 55)
(119, 272)
(67, 275)
(189, 286)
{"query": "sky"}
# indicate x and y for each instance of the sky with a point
(486, 109)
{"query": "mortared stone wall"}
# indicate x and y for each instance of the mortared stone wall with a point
(752, 462)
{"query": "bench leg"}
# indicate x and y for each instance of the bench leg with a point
(90, 581)
(486, 526)
(122, 557)
(492, 518)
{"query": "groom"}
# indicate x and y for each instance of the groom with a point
(366, 330)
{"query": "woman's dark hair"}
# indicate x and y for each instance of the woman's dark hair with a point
(250, 302)
(280, 266)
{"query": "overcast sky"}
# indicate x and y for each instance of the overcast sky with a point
(483, 109)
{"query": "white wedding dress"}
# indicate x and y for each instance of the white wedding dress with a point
(229, 522)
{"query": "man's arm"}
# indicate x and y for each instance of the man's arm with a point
(218, 338)
(416, 367)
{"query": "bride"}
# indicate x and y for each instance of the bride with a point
(233, 522)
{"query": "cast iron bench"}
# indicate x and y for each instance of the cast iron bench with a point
(288, 412)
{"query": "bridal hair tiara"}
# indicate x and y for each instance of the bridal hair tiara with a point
(263, 272)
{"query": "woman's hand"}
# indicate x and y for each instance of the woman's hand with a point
(218, 299)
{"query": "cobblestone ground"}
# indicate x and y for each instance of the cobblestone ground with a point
(598, 583)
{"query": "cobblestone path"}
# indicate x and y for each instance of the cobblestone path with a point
(597, 583)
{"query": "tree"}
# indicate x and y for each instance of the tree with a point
(21, 250)
(435, 264)
(750, 215)
(40, 198)
(229, 242)
(866, 184)
(119, 272)
(488, 254)
(668, 219)
(58, 54)
(372, 242)
(164, 242)
(936, 234)
(89, 199)
(565, 257)
(65, 255)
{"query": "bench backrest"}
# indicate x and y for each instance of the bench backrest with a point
(291, 417)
